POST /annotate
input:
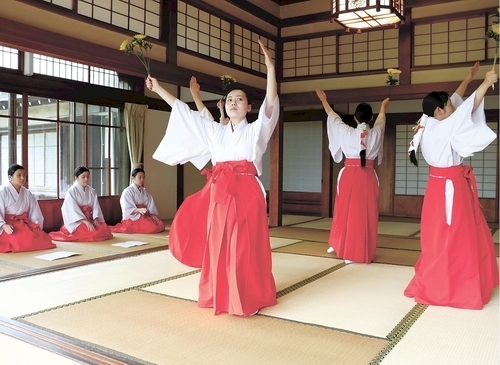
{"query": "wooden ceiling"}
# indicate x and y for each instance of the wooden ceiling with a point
(408, 3)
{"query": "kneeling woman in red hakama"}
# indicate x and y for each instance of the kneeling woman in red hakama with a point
(21, 220)
(82, 216)
(139, 213)
(223, 228)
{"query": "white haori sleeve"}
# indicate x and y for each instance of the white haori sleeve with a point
(379, 129)
(71, 211)
(187, 138)
(334, 128)
(34, 212)
(128, 204)
(264, 128)
(469, 131)
(151, 206)
(96, 208)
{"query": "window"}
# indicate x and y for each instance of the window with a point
(60, 136)
(9, 58)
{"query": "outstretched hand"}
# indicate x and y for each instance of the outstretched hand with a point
(385, 102)
(321, 95)
(267, 56)
(194, 87)
(473, 71)
(152, 83)
(491, 77)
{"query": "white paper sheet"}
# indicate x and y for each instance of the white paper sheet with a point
(57, 255)
(128, 244)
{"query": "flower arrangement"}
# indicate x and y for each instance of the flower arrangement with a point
(494, 33)
(392, 77)
(140, 47)
(226, 81)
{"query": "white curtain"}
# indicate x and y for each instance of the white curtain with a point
(134, 123)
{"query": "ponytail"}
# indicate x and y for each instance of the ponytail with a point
(362, 156)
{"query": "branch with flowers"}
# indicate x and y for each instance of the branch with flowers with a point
(226, 81)
(140, 47)
(393, 76)
(494, 33)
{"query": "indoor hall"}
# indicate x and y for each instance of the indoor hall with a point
(328, 305)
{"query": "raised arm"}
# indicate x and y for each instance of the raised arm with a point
(384, 105)
(468, 78)
(322, 97)
(154, 86)
(271, 87)
(194, 87)
(490, 78)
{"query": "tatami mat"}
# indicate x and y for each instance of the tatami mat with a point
(398, 228)
(360, 298)
(17, 352)
(163, 330)
(67, 286)
(288, 220)
(450, 336)
(287, 270)
(280, 242)
(323, 223)
(161, 236)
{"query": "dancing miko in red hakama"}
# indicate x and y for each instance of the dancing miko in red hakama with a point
(82, 216)
(457, 266)
(353, 235)
(21, 220)
(223, 228)
(139, 213)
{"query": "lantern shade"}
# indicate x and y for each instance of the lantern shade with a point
(367, 14)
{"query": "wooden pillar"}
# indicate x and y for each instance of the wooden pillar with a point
(276, 174)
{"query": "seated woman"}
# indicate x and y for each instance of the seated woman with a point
(21, 220)
(138, 208)
(82, 216)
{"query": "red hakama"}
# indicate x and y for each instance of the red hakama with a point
(27, 236)
(145, 224)
(232, 246)
(353, 234)
(457, 266)
(82, 233)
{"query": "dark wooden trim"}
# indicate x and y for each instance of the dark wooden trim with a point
(250, 8)
(302, 203)
(60, 345)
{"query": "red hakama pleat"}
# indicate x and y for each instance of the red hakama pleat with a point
(82, 233)
(457, 266)
(27, 236)
(232, 245)
(145, 224)
(353, 234)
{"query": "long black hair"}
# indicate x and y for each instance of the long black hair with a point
(363, 114)
(433, 100)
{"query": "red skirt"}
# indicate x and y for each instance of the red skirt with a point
(224, 230)
(145, 224)
(82, 233)
(354, 229)
(457, 266)
(27, 236)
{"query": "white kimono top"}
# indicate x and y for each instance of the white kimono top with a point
(131, 197)
(12, 202)
(343, 138)
(447, 142)
(191, 137)
(75, 198)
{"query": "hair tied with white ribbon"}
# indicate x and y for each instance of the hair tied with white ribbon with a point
(364, 133)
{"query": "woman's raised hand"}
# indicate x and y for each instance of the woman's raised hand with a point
(194, 87)
(268, 59)
(152, 83)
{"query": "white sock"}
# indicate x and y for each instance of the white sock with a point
(330, 250)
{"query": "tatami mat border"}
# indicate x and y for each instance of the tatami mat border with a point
(116, 256)
(399, 331)
(110, 293)
(88, 346)
(304, 282)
